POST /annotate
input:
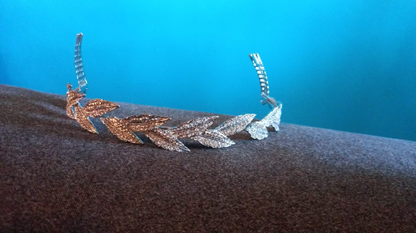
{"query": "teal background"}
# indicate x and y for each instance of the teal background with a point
(344, 65)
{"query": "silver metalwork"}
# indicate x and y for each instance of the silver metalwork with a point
(166, 140)
(258, 129)
(79, 68)
(193, 127)
(264, 84)
(214, 139)
(235, 124)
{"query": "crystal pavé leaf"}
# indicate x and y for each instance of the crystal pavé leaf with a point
(166, 140)
(257, 130)
(273, 118)
(235, 124)
(193, 127)
(214, 139)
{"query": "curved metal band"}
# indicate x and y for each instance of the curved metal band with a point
(79, 68)
(264, 84)
(261, 72)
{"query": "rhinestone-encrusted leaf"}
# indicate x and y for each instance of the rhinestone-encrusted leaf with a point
(165, 139)
(83, 119)
(72, 98)
(120, 129)
(273, 118)
(144, 122)
(214, 139)
(235, 124)
(193, 127)
(257, 130)
(98, 107)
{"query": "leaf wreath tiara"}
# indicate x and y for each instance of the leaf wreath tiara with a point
(150, 125)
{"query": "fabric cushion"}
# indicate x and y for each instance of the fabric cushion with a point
(56, 176)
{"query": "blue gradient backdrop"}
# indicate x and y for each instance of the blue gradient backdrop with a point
(345, 65)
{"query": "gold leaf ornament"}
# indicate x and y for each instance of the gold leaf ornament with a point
(145, 122)
(120, 128)
(93, 108)
(124, 129)
(99, 107)
(83, 119)
(72, 99)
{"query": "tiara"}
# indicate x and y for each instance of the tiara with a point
(151, 126)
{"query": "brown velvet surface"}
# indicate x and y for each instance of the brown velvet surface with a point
(57, 177)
